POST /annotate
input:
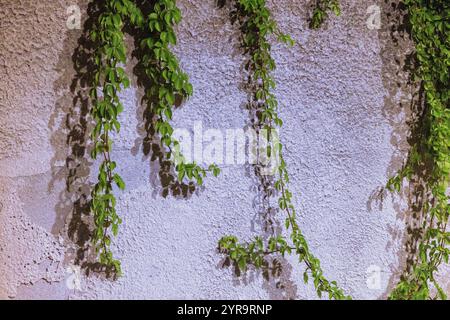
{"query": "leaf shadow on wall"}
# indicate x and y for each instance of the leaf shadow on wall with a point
(276, 269)
(405, 99)
(163, 178)
(71, 125)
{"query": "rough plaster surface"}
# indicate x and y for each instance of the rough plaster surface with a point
(344, 134)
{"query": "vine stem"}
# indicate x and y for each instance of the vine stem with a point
(295, 228)
(107, 159)
(256, 24)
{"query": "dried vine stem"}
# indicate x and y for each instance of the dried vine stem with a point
(428, 165)
(256, 25)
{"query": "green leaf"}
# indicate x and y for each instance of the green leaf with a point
(117, 21)
(242, 264)
(120, 183)
(181, 174)
(305, 277)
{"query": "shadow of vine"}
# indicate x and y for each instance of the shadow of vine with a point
(163, 177)
(404, 100)
(71, 124)
(72, 163)
(275, 270)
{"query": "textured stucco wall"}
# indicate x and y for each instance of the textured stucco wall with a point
(344, 134)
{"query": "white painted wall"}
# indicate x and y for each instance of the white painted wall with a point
(340, 133)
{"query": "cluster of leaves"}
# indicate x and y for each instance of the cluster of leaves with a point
(109, 80)
(321, 12)
(168, 84)
(257, 25)
(429, 158)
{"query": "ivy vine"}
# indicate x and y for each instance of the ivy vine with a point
(428, 165)
(110, 77)
(321, 12)
(168, 82)
(257, 25)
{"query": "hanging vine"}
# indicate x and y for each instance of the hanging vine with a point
(168, 82)
(428, 166)
(321, 12)
(257, 25)
(110, 79)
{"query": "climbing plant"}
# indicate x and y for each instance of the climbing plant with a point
(321, 12)
(427, 168)
(168, 81)
(257, 25)
(110, 79)
(428, 165)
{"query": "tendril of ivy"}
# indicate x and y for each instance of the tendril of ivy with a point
(257, 25)
(321, 12)
(168, 82)
(109, 80)
(428, 166)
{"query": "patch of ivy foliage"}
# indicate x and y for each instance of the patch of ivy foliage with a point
(168, 82)
(428, 166)
(257, 26)
(321, 12)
